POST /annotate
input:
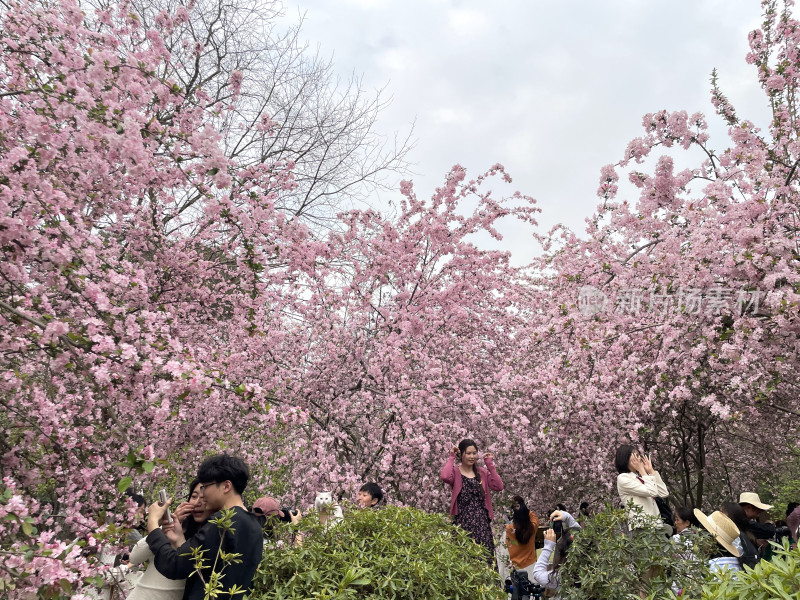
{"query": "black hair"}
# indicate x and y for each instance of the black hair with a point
(623, 457)
(224, 467)
(560, 553)
(190, 526)
(523, 527)
(686, 513)
(561, 506)
(735, 512)
(790, 507)
(462, 447)
(374, 490)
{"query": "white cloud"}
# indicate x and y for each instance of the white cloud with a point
(551, 89)
(467, 22)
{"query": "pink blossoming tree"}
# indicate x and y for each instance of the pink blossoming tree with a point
(679, 321)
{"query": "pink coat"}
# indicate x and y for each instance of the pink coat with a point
(490, 480)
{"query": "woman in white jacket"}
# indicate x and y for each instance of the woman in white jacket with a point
(153, 585)
(640, 484)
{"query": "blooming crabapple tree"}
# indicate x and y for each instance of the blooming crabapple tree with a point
(404, 344)
(156, 305)
(694, 355)
(117, 304)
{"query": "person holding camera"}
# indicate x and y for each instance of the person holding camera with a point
(471, 503)
(640, 484)
(269, 509)
(223, 479)
(557, 539)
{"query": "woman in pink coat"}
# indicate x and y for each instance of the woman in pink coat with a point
(471, 503)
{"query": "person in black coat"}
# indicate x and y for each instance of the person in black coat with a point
(223, 478)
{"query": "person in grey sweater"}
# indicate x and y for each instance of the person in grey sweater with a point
(544, 573)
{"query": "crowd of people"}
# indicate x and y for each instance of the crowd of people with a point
(172, 543)
(741, 530)
(178, 555)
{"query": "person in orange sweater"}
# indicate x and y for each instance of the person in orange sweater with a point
(521, 536)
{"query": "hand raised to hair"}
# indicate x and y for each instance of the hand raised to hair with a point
(648, 465)
(636, 465)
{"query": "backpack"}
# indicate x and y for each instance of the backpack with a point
(749, 555)
(665, 512)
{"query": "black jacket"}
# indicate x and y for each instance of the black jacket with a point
(247, 541)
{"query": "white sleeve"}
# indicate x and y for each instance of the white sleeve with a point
(140, 552)
(629, 485)
(540, 570)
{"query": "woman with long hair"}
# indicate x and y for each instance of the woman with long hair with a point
(521, 537)
(471, 503)
(746, 542)
(191, 515)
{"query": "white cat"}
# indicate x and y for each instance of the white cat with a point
(330, 513)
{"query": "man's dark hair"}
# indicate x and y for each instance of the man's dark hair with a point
(623, 457)
(224, 467)
(790, 507)
(374, 490)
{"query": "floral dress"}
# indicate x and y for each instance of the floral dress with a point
(473, 516)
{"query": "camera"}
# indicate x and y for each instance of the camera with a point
(558, 527)
(287, 514)
(521, 588)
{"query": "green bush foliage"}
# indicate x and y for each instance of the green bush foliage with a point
(608, 561)
(391, 553)
(778, 578)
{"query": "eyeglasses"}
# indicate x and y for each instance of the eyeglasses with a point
(202, 487)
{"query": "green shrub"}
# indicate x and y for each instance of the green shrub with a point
(388, 553)
(610, 562)
(778, 578)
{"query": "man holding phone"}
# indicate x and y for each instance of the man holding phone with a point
(222, 478)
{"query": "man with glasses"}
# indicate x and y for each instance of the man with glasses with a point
(222, 478)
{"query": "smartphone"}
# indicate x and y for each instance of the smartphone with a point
(162, 498)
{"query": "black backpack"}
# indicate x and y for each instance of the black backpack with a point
(665, 511)
(749, 555)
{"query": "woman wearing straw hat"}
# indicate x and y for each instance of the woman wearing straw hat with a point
(726, 533)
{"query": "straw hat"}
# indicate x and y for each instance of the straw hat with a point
(721, 527)
(751, 498)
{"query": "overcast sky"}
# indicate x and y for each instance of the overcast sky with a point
(553, 90)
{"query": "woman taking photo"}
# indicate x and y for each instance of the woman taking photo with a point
(640, 484)
(192, 515)
(556, 545)
(471, 503)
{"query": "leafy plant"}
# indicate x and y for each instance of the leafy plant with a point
(778, 578)
(608, 561)
(388, 553)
